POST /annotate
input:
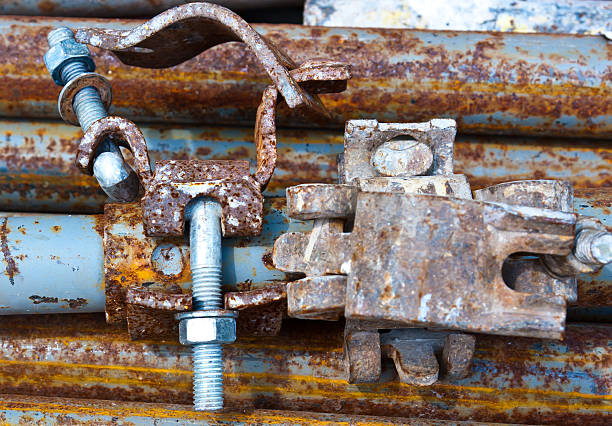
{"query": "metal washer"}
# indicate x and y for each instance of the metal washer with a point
(66, 97)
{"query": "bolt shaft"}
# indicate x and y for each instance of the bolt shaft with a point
(116, 178)
(205, 258)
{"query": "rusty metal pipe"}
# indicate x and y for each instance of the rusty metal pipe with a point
(516, 380)
(37, 170)
(529, 84)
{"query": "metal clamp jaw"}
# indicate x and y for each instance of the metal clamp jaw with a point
(389, 250)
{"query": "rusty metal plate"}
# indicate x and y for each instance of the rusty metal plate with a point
(449, 252)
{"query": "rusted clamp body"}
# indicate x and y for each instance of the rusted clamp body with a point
(391, 250)
(169, 39)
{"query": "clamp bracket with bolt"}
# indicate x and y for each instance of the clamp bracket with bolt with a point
(210, 199)
(85, 99)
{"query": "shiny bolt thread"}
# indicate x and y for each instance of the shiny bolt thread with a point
(116, 178)
(87, 104)
(205, 259)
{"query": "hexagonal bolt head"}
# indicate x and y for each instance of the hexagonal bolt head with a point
(65, 51)
(198, 330)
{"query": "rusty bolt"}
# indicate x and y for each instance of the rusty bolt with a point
(402, 157)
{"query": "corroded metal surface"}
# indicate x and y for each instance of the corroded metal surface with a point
(482, 236)
(118, 8)
(382, 218)
(261, 310)
(516, 380)
(421, 356)
(363, 137)
(523, 272)
(489, 83)
(19, 409)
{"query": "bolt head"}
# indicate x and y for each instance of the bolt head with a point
(198, 330)
(66, 51)
(601, 248)
(402, 158)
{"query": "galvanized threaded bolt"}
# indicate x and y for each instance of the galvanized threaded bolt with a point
(594, 247)
(207, 327)
(116, 178)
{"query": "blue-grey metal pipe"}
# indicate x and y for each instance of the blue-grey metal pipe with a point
(51, 264)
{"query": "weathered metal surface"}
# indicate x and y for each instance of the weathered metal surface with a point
(37, 170)
(401, 299)
(177, 182)
(261, 310)
(19, 409)
(542, 194)
(421, 356)
(490, 83)
(150, 311)
(319, 297)
(51, 264)
(524, 272)
(543, 16)
(361, 354)
(394, 276)
(516, 380)
(363, 137)
(185, 31)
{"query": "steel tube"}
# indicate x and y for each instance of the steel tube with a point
(517, 380)
(51, 264)
(37, 170)
(20, 409)
(51, 257)
(529, 84)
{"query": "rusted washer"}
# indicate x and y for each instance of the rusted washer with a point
(74, 86)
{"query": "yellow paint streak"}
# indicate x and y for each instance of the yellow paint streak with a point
(96, 366)
(292, 382)
(76, 180)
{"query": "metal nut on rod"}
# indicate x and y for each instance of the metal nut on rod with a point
(208, 326)
(85, 99)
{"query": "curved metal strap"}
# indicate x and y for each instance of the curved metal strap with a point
(314, 76)
(183, 32)
(122, 132)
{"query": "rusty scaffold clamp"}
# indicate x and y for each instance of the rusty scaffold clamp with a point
(208, 199)
(400, 243)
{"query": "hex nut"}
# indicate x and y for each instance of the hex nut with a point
(196, 330)
(66, 50)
